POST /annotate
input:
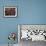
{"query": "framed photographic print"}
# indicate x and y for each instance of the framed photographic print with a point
(10, 11)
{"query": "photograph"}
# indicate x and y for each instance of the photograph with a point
(10, 11)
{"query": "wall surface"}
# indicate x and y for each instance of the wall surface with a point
(29, 12)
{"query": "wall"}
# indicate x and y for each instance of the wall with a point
(7, 25)
(29, 12)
